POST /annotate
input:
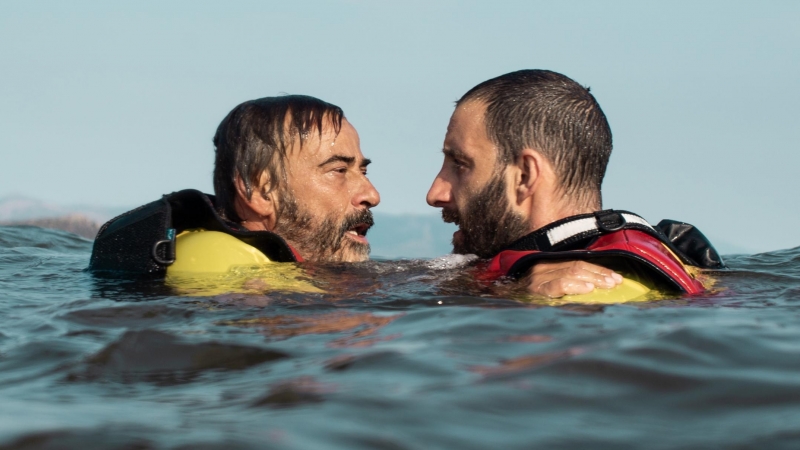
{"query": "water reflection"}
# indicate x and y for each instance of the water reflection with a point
(359, 328)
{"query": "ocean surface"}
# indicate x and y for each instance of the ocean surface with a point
(397, 354)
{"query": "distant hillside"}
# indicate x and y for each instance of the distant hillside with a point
(393, 236)
(18, 208)
(73, 223)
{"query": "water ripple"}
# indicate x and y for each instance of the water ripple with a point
(396, 354)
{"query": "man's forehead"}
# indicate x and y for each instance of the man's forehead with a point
(318, 145)
(291, 128)
(467, 138)
(470, 110)
(467, 122)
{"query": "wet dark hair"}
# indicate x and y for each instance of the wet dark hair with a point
(255, 137)
(554, 115)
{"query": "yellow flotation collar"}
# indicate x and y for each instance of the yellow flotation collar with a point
(629, 291)
(213, 263)
(201, 251)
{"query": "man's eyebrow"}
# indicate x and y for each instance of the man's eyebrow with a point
(365, 162)
(454, 153)
(339, 158)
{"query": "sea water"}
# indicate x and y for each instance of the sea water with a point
(396, 354)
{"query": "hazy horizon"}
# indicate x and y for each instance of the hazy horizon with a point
(414, 235)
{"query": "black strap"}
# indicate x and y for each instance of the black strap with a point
(194, 209)
(565, 232)
(684, 240)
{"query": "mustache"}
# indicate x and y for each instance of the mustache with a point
(451, 216)
(363, 217)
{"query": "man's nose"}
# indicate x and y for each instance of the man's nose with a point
(440, 193)
(367, 196)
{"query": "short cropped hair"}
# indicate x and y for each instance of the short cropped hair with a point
(255, 137)
(550, 113)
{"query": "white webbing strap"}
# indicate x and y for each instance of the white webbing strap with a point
(573, 228)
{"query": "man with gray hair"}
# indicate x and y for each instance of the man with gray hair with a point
(292, 165)
(290, 182)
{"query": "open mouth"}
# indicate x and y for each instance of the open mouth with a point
(358, 232)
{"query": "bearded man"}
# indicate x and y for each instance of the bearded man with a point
(291, 185)
(293, 165)
(524, 159)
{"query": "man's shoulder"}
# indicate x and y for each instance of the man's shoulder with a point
(616, 239)
(142, 241)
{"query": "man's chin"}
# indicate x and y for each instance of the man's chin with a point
(356, 258)
(353, 248)
(458, 243)
(352, 253)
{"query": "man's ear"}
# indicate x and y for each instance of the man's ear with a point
(259, 211)
(529, 164)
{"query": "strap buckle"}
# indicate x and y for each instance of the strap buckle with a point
(609, 220)
(169, 252)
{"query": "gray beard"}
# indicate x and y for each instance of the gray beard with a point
(326, 241)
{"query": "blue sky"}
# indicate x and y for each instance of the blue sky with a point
(116, 104)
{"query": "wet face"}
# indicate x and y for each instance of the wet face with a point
(323, 209)
(472, 187)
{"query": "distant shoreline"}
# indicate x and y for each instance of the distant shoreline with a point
(72, 223)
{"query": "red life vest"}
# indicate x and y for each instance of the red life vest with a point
(606, 237)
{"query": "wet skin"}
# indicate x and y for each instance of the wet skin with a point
(470, 162)
(321, 207)
(327, 178)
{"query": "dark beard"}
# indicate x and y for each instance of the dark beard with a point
(327, 241)
(487, 223)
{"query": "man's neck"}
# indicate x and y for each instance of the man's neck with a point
(551, 212)
(254, 225)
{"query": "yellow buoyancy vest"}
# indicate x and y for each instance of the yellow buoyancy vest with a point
(213, 263)
(627, 291)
